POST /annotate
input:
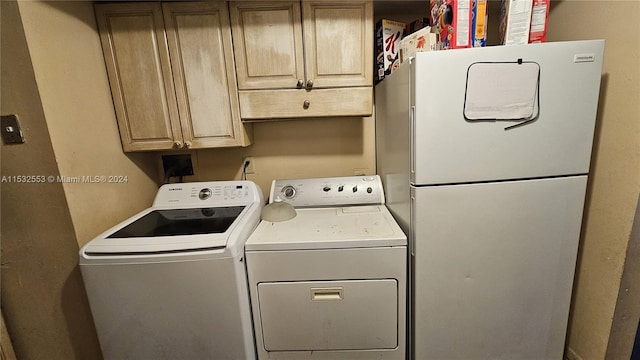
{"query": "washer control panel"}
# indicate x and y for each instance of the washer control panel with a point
(207, 193)
(333, 191)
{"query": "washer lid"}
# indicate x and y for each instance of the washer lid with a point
(158, 230)
(176, 222)
(329, 228)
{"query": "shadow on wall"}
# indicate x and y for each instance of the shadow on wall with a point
(77, 315)
(74, 11)
(299, 146)
(145, 162)
(604, 86)
(635, 355)
(310, 137)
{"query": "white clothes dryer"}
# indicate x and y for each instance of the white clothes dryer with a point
(331, 283)
(170, 282)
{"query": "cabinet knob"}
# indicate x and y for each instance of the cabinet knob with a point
(309, 84)
(177, 144)
(187, 144)
(306, 104)
(300, 84)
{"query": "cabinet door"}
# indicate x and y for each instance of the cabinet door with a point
(199, 40)
(137, 60)
(338, 42)
(267, 40)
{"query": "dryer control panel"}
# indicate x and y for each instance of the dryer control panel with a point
(332, 191)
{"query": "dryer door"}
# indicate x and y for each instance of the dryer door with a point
(329, 315)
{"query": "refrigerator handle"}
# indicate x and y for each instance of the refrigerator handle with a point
(412, 120)
(412, 215)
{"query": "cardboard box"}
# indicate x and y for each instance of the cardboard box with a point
(515, 22)
(388, 36)
(539, 19)
(452, 21)
(479, 19)
(421, 40)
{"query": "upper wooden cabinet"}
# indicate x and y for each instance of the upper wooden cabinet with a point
(173, 91)
(267, 37)
(311, 45)
(338, 43)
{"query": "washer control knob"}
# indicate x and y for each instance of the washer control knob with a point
(289, 191)
(205, 194)
(326, 188)
(369, 190)
(355, 188)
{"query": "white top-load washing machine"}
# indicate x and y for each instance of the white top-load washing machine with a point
(331, 283)
(170, 282)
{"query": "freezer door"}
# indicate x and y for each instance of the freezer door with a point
(493, 268)
(456, 95)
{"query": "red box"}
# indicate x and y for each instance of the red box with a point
(452, 21)
(539, 19)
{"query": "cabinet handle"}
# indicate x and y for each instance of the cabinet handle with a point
(177, 144)
(187, 144)
(309, 84)
(300, 83)
(305, 104)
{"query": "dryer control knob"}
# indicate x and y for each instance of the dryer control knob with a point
(289, 191)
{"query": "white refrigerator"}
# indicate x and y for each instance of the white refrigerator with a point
(484, 154)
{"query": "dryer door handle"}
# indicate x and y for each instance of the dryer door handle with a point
(324, 294)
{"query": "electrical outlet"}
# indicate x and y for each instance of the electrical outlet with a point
(250, 168)
(10, 129)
